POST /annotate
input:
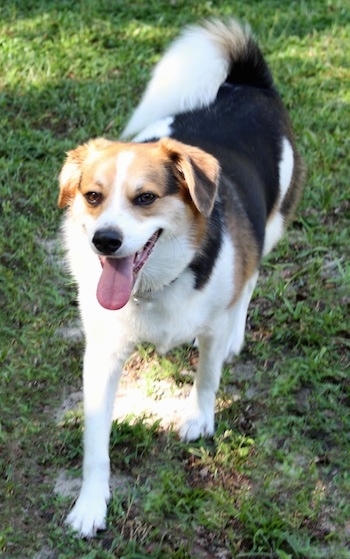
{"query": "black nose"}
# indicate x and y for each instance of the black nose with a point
(107, 241)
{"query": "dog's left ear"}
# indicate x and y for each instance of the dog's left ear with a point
(70, 174)
(199, 169)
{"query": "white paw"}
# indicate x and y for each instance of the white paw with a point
(198, 425)
(89, 512)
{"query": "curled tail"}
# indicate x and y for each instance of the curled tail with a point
(194, 67)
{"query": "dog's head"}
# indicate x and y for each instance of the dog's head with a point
(130, 199)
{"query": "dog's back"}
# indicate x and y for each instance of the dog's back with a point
(213, 89)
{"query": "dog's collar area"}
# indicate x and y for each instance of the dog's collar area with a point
(148, 296)
(145, 297)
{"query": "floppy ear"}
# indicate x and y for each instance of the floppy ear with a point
(70, 174)
(200, 170)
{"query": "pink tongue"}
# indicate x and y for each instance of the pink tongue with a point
(116, 282)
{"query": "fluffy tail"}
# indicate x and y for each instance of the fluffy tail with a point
(196, 64)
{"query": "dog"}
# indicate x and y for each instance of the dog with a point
(165, 232)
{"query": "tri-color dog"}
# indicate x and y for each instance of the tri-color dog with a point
(165, 233)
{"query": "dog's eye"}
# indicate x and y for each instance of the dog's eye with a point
(93, 198)
(145, 199)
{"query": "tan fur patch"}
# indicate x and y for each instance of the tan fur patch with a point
(245, 245)
(70, 175)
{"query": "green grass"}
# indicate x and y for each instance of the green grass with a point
(274, 481)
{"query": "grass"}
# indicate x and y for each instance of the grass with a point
(274, 481)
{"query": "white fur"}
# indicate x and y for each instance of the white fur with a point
(238, 314)
(286, 167)
(159, 129)
(275, 226)
(273, 232)
(176, 87)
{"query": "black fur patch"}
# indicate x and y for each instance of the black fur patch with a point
(204, 261)
(172, 183)
(243, 128)
(250, 68)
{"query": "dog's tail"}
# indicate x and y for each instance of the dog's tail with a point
(195, 66)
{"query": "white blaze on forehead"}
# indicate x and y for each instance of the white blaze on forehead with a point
(124, 160)
(115, 210)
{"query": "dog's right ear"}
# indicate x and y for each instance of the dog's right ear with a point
(70, 174)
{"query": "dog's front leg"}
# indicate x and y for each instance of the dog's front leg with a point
(199, 420)
(102, 371)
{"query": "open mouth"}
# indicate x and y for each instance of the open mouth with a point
(142, 255)
(119, 275)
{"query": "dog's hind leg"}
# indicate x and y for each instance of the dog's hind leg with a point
(199, 420)
(238, 318)
(102, 370)
(224, 339)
